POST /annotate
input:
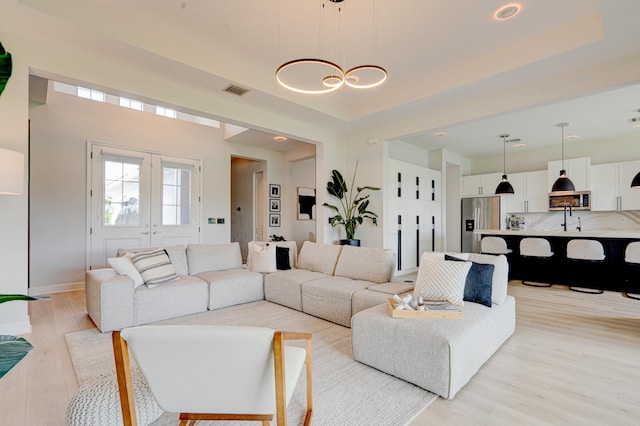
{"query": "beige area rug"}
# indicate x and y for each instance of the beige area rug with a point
(346, 392)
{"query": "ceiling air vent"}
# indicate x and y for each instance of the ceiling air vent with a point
(236, 90)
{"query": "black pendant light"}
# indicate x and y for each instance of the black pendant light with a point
(635, 183)
(504, 187)
(563, 183)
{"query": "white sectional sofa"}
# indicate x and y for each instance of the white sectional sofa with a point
(331, 282)
(343, 284)
(334, 282)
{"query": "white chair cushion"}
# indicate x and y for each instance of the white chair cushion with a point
(538, 247)
(181, 364)
(632, 253)
(585, 250)
(494, 245)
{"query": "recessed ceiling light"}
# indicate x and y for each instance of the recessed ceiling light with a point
(279, 138)
(519, 145)
(571, 137)
(637, 126)
(439, 133)
(507, 11)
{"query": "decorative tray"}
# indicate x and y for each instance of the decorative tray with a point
(432, 309)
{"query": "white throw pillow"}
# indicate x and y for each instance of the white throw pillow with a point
(155, 267)
(261, 258)
(124, 266)
(442, 280)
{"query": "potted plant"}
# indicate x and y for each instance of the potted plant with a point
(13, 349)
(353, 206)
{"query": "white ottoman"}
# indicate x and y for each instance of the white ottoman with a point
(438, 355)
(97, 402)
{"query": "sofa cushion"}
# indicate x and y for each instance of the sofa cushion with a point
(293, 251)
(124, 266)
(154, 266)
(365, 263)
(319, 257)
(213, 257)
(283, 287)
(330, 298)
(261, 258)
(500, 280)
(233, 287)
(178, 256)
(442, 280)
(184, 296)
(477, 287)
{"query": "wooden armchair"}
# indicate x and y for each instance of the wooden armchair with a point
(214, 372)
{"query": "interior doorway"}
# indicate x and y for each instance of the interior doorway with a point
(248, 217)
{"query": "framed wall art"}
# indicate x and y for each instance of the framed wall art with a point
(274, 190)
(306, 203)
(274, 220)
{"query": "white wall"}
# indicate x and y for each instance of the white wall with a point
(242, 200)
(59, 134)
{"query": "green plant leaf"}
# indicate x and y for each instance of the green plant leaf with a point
(10, 297)
(12, 350)
(371, 188)
(331, 207)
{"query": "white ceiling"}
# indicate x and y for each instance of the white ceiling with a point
(452, 66)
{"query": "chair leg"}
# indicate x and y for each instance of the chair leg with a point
(630, 296)
(123, 374)
(532, 284)
(586, 290)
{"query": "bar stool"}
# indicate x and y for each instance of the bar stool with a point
(585, 264)
(535, 258)
(494, 245)
(632, 267)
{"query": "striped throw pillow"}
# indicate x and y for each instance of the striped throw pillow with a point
(442, 280)
(154, 266)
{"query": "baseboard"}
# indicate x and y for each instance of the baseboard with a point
(16, 328)
(55, 288)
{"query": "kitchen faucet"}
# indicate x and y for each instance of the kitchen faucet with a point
(564, 225)
(579, 227)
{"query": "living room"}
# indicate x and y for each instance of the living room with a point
(47, 45)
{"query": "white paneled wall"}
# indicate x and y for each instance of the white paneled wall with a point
(412, 214)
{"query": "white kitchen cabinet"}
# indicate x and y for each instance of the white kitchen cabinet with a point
(484, 184)
(530, 192)
(578, 170)
(611, 186)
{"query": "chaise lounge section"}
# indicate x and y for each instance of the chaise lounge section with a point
(439, 355)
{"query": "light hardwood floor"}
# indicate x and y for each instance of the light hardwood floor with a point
(574, 359)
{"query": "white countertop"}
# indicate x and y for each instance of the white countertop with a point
(560, 233)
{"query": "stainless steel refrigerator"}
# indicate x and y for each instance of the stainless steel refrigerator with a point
(478, 213)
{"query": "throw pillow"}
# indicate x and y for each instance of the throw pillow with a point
(442, 280)
(124, 266)
(283, 261)
(478, 285)
(261, 258)
(154, 266)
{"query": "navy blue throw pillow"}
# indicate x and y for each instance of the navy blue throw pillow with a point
(282, 258)
(479, 282)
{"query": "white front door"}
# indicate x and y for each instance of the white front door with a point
(139, 199)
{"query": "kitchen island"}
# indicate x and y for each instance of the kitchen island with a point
(610, 274)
